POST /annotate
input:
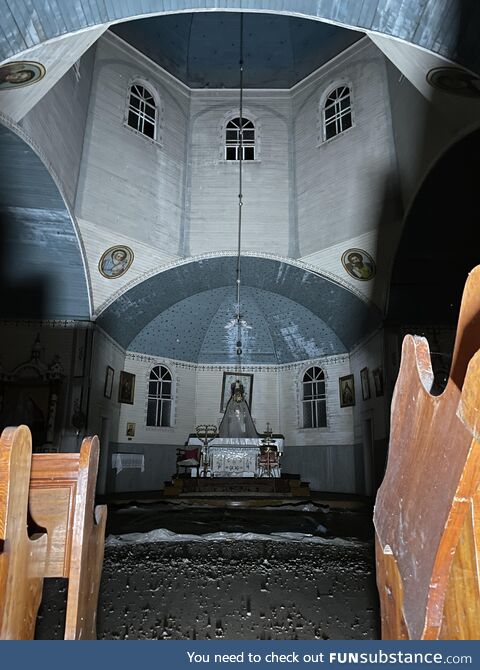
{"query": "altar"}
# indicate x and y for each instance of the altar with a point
(237, 456)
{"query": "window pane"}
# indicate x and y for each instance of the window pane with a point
(329, 112)
(345, 103)
(321, 413)
(249, 153)
(248, 135)
(151, 411)
(166, 389)
(347, 121)
(232, 135)
(149, 129)
(330, 130)
(133, 120)
(307, 415)
(231, 153)
(307, 391)
(152, 388)
(165, 417)
(134, 102)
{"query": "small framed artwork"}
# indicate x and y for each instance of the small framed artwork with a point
(130, 429)
(20, 73)
(347, 391)
(115, 262)
(365, 381)
(378, 381)
(107, 390)
(126, 387)
(229, 379)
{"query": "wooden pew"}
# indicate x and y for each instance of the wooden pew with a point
(427, 511)
(55, 492)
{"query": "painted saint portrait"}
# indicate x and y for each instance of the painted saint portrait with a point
(358, 264)
(115, 262)
(20, 73)
(126, 387)
(347, 391)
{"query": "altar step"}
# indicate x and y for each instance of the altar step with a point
(237, 487)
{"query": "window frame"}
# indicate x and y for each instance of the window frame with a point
(247, 115)
(159, 111)
(322, 121)
(314, 399)
(159, 398)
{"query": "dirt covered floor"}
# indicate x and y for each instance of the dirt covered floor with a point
(299, 572)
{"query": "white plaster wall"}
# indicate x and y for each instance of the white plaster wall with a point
(420, 132)
(264, 397)
(339, 429)
(346, 187)
(369, 355)
(57, 56)
(130, 185)
(106, 352)
(183, 407)
(214, 183)
(56, 124)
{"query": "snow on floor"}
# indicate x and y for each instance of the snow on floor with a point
(300, 574)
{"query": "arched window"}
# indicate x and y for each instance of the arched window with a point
(142, 111)
(232, 139)
(159, 407)
(337, 112)
(313, 399)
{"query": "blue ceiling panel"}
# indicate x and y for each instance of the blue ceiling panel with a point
(42, 268)
(202, 49)
(294, 314)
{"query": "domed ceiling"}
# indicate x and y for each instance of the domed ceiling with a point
(202, 49)
(42, 268)
(289, 314)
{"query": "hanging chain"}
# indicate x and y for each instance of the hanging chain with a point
(240, 203)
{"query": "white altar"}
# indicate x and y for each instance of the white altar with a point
(234, 456)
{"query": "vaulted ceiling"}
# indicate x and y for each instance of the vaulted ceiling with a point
(186, 313)
(202, 49)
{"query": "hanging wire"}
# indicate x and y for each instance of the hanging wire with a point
(240, 204)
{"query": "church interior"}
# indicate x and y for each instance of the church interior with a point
(217, 226)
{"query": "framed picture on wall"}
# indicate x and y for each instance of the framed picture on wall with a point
(130, 432)
(229, 379)
(378, 381)
(365, 381)
(347, 391)
(126, 388)
(107, 391)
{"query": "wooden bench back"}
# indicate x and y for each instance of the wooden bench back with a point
(59, 491)
(427, 510)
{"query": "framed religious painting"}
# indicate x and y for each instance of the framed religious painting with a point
(347, 391)
(365, 382)
(109, 374)
(229, 380)
(126, 388)
(378, 381)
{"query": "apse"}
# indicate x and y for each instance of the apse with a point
(288, 313)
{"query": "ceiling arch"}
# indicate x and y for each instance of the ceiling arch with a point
(436, 25)
(183, 312)
(42, 274)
